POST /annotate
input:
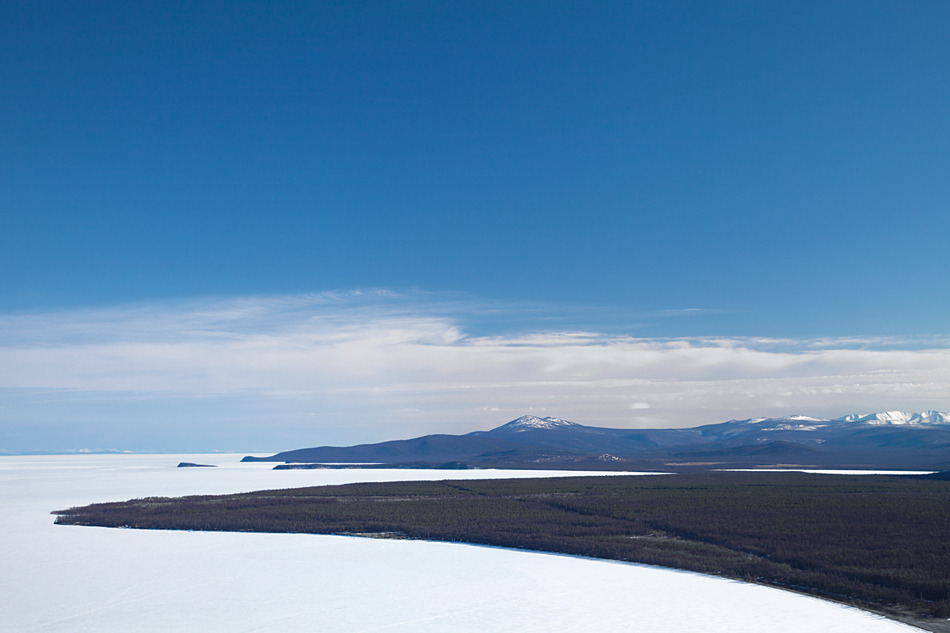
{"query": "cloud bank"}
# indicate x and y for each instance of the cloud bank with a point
(374, 365)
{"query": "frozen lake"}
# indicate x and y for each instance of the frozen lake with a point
(65, 578)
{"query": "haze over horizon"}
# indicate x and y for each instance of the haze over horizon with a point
(255, 227)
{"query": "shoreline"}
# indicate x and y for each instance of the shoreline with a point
(775, 530)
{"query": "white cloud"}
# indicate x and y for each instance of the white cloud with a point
(406, 360)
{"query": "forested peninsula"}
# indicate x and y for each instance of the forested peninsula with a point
(877, 542)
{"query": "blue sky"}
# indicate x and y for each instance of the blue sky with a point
(558, 179)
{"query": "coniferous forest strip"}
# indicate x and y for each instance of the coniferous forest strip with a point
(876, 542)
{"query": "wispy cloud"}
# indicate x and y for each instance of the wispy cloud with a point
(409, 359)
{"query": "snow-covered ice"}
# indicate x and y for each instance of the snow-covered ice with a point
(76, 579)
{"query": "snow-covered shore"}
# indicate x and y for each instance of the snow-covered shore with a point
(59, 578)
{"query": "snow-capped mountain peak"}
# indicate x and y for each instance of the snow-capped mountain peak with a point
(530, 422)
(897, 418)
(807, 423)
(876, 419)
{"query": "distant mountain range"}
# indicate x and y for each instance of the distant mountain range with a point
(891, 440)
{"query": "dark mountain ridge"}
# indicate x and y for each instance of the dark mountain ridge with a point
(891, 440)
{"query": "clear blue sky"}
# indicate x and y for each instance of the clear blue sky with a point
(655, 169)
